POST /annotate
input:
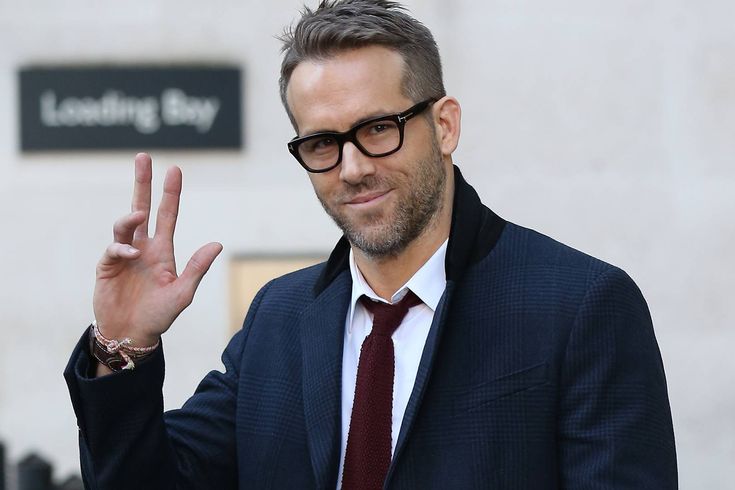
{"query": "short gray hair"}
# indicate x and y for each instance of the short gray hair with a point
(341, 25)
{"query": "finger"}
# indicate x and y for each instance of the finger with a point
(142, 191)
(118, 251)
(195, 269)
(168, 210)
(123, 229)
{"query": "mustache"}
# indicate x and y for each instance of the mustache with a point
(368, 184)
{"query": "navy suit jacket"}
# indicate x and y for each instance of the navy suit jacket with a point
(540, 371)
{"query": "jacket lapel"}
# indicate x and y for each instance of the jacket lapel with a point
(422, 375)
(322, 336)
(474, 232)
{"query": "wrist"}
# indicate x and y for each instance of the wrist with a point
(117, 354)
(135, 338)
(100, 369)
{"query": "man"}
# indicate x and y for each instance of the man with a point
(507, 361)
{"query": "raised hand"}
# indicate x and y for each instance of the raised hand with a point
(138, 293)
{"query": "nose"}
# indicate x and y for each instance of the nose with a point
(355, 165)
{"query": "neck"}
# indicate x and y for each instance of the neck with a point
(386, 274)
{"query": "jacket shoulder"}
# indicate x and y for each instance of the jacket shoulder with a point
(535, 249)
(531, 264)
(298, 284)
(289, 293)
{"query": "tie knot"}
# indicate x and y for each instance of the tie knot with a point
(386, 317)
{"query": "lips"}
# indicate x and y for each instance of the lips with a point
(367, 197)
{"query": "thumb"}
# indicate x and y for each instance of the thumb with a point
(198, 265)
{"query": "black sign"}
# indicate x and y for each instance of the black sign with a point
(130, 107)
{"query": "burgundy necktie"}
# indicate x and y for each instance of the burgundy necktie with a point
(368, 453)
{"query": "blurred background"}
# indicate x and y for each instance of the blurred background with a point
(608, 125)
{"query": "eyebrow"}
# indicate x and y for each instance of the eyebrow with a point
(375, 114)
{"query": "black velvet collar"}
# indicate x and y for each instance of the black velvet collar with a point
(474, 232)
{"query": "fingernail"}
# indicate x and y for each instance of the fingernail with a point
(132, 250)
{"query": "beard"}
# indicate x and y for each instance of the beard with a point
(387, 232)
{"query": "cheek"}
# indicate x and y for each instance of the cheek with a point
(404, 163)
(417, 146)
(321, 185)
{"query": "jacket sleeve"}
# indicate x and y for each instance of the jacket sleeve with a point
(615, 420)
(126, 440)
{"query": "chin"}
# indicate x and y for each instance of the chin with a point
(382, 241)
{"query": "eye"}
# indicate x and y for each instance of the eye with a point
(378, 128)
(323, 142)
(320, 145)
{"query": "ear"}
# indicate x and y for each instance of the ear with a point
(447, 121)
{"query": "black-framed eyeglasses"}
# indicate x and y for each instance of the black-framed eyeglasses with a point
(377, 137)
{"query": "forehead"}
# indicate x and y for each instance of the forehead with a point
(336, 92)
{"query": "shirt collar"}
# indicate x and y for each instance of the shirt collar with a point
(428, 283)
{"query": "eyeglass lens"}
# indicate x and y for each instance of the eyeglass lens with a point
(374, 139)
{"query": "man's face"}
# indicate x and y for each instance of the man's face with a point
(381, 204)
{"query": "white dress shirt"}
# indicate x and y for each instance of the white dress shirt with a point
(428, 283)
